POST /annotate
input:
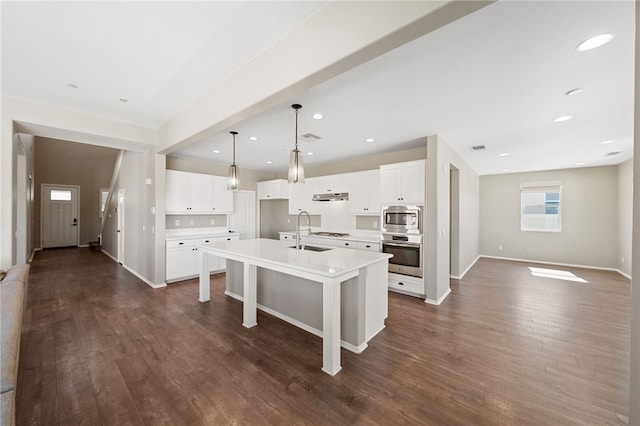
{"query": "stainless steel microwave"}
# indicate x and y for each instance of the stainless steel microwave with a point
(401, 219)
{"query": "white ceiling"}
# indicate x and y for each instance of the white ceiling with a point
(496, 78)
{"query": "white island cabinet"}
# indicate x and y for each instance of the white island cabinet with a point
(338, 294)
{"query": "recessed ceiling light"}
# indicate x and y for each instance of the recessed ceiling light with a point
(593, 42)
(309, 153)
(124, 100)
(504, 154)
(317, 116)
(369, 140)
(575, 91)
(72, 86)
(269, 162)
(563, 118)
(215, 151)
(606, 142)
(580, 164)
(253, 138)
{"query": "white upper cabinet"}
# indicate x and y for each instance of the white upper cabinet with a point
(364, 193)
(196, 193)
(331, 184)
(403, 183)
(300, 195)
(222, 198)
(177, 196)
(273, 189)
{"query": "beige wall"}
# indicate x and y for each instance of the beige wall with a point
(69, 163)
(144, 219)
(248, 178)
(589, 215)
(358, 164)
(451, 242)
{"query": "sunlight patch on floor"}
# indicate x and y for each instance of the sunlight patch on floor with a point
(556, 274)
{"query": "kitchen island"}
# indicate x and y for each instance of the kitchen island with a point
(346, 289)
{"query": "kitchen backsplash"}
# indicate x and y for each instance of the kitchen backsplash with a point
(195, 221)
(368, 223)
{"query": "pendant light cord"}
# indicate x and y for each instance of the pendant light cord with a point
(297, 128)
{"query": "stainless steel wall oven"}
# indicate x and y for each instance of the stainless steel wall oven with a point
(407, 253)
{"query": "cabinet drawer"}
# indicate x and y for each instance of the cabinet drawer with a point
(180, 243)
(403, 282)
(369, 246)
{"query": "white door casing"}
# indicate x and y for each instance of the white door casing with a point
(59, 215)
(120, 231)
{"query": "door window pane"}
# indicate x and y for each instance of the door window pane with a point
(58, 195)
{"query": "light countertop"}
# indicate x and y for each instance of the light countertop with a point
(365, 238)
(330, 263)
(179, 234)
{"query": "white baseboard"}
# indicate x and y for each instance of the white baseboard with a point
(573, 265)
(624, 274)
(143, 279)
(33, 253)
(109, 255)
(348, 346)
(440, 300)
(456, 277)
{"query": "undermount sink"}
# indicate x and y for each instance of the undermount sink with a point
(312, 248)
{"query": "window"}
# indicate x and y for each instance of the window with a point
(540, 206)
(103, 200)
(60, 195)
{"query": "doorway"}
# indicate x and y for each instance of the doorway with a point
(120, 231)
(59, 215)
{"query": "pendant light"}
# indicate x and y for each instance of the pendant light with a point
(296, 168)
(232, 183)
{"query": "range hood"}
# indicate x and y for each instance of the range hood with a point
(334, 196)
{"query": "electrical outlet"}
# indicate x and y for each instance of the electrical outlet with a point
(153, 229)
(177, 222)
(375, 225)
(213, 221)
(143, 228)
(622, 259)
(499, 247)
(191, 222)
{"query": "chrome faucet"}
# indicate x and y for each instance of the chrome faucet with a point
(298, 227)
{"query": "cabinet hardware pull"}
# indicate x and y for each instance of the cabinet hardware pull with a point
(206, 241)
(180, 244)
(400, 283)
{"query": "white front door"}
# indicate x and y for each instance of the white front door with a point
(243, 218)
(59, 217)
(120, 212)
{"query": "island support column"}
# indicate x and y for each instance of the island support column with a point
(204, 283)
(331, 327)
(249, 308)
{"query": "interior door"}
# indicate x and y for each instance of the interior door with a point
(60, 220)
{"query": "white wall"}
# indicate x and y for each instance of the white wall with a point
(625, 216)
(589, 210)
(440, 159)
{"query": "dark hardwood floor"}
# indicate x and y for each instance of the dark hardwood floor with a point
(505, 348)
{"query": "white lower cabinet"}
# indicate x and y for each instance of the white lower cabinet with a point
(406, 283)
(183, 259)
